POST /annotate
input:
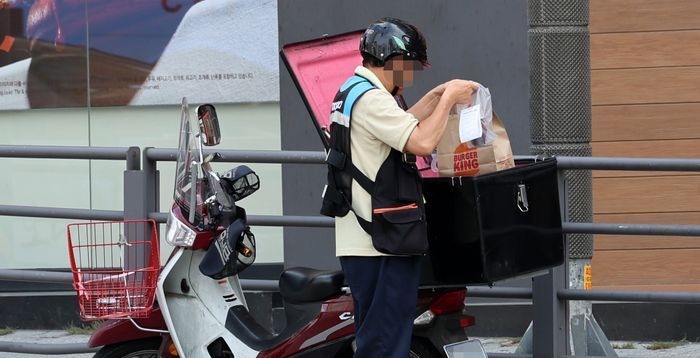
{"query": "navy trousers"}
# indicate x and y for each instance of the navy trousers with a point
(384, 292)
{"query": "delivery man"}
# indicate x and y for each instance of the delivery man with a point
(373, 186)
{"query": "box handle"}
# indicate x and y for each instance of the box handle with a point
(523, 205)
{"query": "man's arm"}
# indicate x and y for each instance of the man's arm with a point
(428, 132)
(426, 105)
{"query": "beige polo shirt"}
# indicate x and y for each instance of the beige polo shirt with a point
(377, 125)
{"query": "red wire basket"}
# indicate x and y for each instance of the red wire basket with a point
(115, 267)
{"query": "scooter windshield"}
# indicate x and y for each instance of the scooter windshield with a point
(189, 186)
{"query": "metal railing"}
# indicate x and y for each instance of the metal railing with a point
(131, 155)
(549, 291)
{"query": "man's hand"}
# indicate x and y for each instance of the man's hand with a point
(461, 90)
(427, 134)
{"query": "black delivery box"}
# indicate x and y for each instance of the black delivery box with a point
(481, 229)
(494, 226)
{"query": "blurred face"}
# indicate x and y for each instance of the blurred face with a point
(400, 71)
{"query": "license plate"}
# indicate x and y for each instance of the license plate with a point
(467, 349)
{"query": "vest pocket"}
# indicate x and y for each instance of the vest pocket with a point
(399, 230)
(408, 183)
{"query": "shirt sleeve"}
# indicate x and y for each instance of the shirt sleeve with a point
(382, 117)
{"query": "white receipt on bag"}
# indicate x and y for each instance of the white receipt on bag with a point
(470, 123)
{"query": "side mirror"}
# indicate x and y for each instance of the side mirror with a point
(209, 125)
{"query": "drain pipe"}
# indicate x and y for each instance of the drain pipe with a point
(560, 124)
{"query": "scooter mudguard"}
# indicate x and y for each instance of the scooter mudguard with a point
(121, 330)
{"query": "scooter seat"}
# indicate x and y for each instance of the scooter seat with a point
(303, 284)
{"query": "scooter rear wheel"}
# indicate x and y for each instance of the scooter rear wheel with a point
(142, 348)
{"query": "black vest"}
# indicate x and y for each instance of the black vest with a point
(398, 223)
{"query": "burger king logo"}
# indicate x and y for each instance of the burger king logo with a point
(466, 160)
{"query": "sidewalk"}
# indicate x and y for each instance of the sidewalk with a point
(492, 345)
(631, 349)
(43, 337)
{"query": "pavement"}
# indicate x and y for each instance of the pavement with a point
(43, 337)
(492, 345)
(631, 349)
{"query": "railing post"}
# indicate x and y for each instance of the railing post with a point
(150, 169)
(550, 328)
(135, 208)
(133, 155)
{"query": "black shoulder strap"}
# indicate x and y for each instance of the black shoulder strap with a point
(354, 88)
(339, 161)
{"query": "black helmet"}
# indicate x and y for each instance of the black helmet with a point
(389, 37)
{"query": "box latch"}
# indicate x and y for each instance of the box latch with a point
(522, 198)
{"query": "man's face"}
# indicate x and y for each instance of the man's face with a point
(400, 71)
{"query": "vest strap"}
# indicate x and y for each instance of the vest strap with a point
(339, 161)
(364, 224)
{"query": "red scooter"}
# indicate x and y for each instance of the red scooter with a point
(194, 306)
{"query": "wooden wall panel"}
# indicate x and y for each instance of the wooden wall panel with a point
(627, 242)
(646, 85)
(639, 243)
(646, 122)
(646, 194)
(643, 15)
(681, 148)
(646, 267)
(645, 49)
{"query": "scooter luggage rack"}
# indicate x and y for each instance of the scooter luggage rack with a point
(115, 268)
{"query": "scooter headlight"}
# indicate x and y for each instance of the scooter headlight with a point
(177, 233)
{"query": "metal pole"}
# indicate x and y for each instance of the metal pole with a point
(150, 168)
(246, 156)
(63, 152)
(35, 276)
(52, 349)
(271, 220)
(632, 229)
(629, 296)
(60, 213)
(549, 327)
(133, 158)
(620, 163)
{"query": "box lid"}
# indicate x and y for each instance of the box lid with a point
(319, 67)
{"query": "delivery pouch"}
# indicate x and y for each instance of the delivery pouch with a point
(398, 223)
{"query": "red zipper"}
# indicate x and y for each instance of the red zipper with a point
(398, 208)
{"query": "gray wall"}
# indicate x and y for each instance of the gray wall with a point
(480, 40)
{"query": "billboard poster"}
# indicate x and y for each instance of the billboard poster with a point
(78, 53)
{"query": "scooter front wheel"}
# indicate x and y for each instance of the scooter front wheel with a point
(142, 348)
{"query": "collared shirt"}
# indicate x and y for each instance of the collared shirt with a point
(377, 124)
